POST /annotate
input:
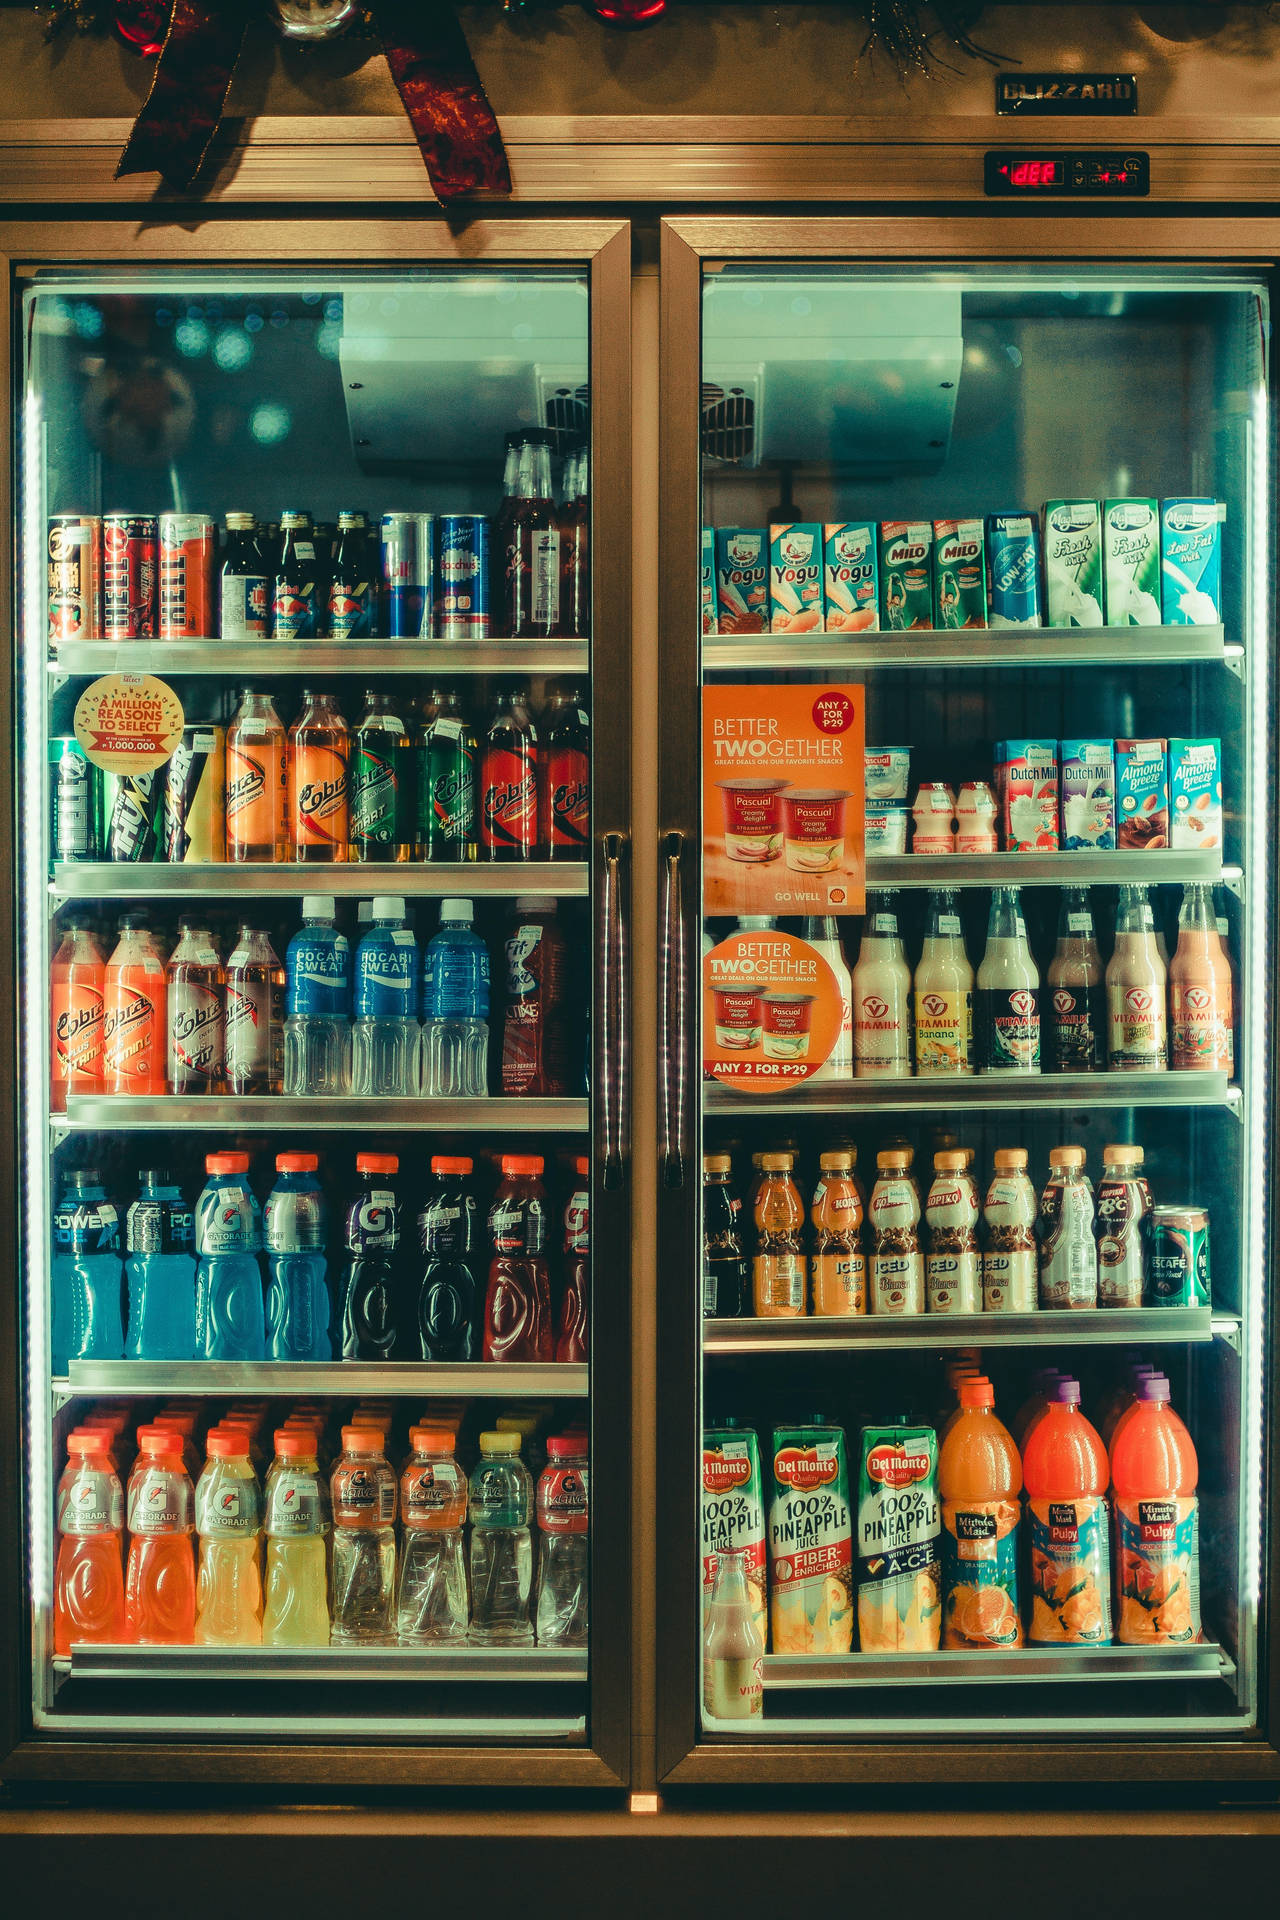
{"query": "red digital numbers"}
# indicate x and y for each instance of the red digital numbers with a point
(1032, 173)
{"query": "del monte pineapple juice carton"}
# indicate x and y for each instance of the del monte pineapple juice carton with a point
(733, 1511)
(899, 1525)
(811, 1542)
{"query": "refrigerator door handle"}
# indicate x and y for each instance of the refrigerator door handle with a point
(673, 1014)
(613, 1062)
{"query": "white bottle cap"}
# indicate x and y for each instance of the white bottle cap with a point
(456, 910)
(318, 906)
(755, 922)
(388, 906)
(364, 912)
(535, 903)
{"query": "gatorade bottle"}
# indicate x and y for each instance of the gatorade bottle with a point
(296, 1522)
(501, 1544)
(370, 1279)
(229, 1523)
(979, 1478)
(298, 1304)
(571, 1322)
(88, 1580)
(1153, 1479)
(86, 1274)
(229, 1315)
(560, 1608)
(1064, 1466)
(455, 1008)
(517, 1307)
(431, 1602)
(160, 1579)
(363, 1489)
(160, 1269)
(449, 1241)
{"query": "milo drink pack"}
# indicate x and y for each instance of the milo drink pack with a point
(811, 1542)
(906, 574)
(899, 1524)
(959, 573)
(733, 1511)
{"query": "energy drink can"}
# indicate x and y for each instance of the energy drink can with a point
(75, 577)
(906, 574)
(188, 556)
(1013, 569)
(1191, 562)
(130, 804)
(1073, 563)
(195, 795)
(959, 573)
(406, 574)
(1178, 1261)
(130, 558)
(1131, 562)
(461, 577)
(75, 815)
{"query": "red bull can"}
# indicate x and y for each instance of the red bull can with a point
(462, 577)
(75, 577)
(130, 559)
(406, 574)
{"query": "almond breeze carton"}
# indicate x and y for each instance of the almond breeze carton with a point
(1073, 563)
(1142, 793)
(1131, 562)
(733, 1511)
(811, 1542)
(795, 577)
(899, 1528)
(1191, 562)
(1195, 793)
(906, 574)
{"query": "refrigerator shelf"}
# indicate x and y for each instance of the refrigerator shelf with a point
(487, 1379)
(497, 1666)
(1100, 1327)
(98, 1112)
(96, 879)
(259, 657)
(1123, 867)
(969, 647)
(979, 1094)
(1017, 1666)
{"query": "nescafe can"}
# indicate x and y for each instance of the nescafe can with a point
(188, 559)
(1178, 1262)
(130, 556)
(462, 576)
(131, 801)
(75, 813)
(195, 795)
(406, 574)
(75, 577)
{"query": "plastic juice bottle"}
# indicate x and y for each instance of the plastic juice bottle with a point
(561, 1593)
(160, 1577)
(255, 1015)
(732, 1644)
(77, 985)
(1065, 1469)
(839, 1259)
(363, 1489)
(1044, 1381)
(823, 932)
(257, 782)
(1125, 1394)
(897, 1264)
(431, 1600)
(1068, 1251)
(1154, 1472)
(1075, 1023)
(953, 1265)
(134, 1021)
(881, 996)
(319, 764)
(957, 1370)
(1010, 1281)
(779, 1270)
(230, 1322)
(979, 1479)
(297, 1526)
(1224, 941)
(86, 1273)
(572, 1336)
(1200, 998)
(501, 1498)
(88, 1579)
(1137, 980)
(229, 1523)
(943, 992)
(1124, 1203)
(517, 1306)
(534, 1026)
(195, 992)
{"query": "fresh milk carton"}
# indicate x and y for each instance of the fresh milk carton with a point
(810, 1542)
(1131, 562)
(1073, 563)
(899, 1529)
(1191, 562)
(733, 1512)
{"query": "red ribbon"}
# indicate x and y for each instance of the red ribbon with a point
(174, 131)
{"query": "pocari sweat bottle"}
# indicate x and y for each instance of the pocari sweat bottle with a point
(229, 1316)
(297, 1287)
(455, 1007)
(160, 1268)
(384, 1057)
(317, 1028)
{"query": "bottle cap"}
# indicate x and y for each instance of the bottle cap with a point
(535, 903)
(453, 1163)
(1067, 1392)
(501, 1445)
(838, 1160)
(1154, 1387)
(153, 1176)
(716, 1163)
(977, 1391)
(777, 1162)
(226, 1163)
(893, 1159)
(86, 1440)
(432, 1440)
(954, 1160)
(455, 910)
(582, 1167)
(522, 1163)
(318, 906)
(1009, 1159)
(388, 906)
(227, 1443)
(159, 1440)
(1066, 1156)
(297, 1162)
(377, 1163)
(1124, 1154)
(295, 1443)
(367, 1439)
(567, 1446)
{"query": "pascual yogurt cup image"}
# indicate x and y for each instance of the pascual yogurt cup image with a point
(885, 827)
(752, 818)
(813, 828)
(738, 1018)
(887, 772)
(786, 1018)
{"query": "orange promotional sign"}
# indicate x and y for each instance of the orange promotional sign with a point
(782, 799)
(770, 1011)
(128, 722)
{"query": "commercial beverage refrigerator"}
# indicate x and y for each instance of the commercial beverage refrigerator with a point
(919, 471)
(283, 460)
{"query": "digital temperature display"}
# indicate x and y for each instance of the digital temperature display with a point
(1033, 171)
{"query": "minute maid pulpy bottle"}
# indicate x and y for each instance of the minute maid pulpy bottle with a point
(811, 1542)
(899, 1576)
(1065, 1468)
(1153, 1476)
(979, 1478)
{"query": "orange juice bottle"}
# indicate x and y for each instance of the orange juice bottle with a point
(1065, 1468)
(779, 1270)
(979, 1479)
(257, 782)
(961, 1366)
(1154, 1471)
(839, 1259)
(1117, 1401)
(1043, 1382)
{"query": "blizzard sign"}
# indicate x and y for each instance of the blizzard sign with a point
(1066, 94)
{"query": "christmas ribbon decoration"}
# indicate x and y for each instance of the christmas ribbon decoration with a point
(430, 62)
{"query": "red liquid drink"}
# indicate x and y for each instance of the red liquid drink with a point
(531, 601)
(517, 1307)
(571, 1326)
(509, 782)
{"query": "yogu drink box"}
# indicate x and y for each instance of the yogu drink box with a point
(733, 1511)
(742, 579)
(851, 576)
(810, 1542)
(899, 1528)
(795, 577)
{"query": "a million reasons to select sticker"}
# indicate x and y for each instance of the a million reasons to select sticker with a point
(128, 722)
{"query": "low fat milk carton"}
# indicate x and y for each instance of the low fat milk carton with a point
(1195, 793)
(1087, 787)
(959, 574)
(899, 1529)
(906, 574)
(810, 1542)
(1073, 563)
(1131, 562)
(742, 579)
(1191, 562)
(795, 577)
(851, 576)
(1013, 569)
(1142, 793)
(733, 1512)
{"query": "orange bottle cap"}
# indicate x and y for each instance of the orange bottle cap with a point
(226, 1163)
(432, 1440)
(297, 1162)
(976, 1391)
(223, 1443)
(522, 1163)
(459, 1163)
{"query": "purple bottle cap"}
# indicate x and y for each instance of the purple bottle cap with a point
(1154, 1387)
(1142, 1370)
(1067, 1392)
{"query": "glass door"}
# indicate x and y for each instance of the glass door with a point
(974, 1190)
(322, 875)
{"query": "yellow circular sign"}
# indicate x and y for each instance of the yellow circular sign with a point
(128, 722)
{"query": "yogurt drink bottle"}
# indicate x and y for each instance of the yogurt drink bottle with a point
(1124, 1208)
(881, 996)
(1068, 1255)
(732, 1645)
(897, 1263)
(1137, 1022)
(943, 993)
(1075, 996)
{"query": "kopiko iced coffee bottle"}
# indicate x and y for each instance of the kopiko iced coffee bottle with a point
(943, 993)
(1124, 1203)
(953, 1267)
(839, 1262)
(1009, 1267)
(1137, 1021)
(1068, 1256)
(779, 1271)
(1075, 1001)
(881, 996)
(897, 1264)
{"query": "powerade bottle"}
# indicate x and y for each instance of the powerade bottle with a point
(160, 1269)
(384, 1056)
(229, 1316)
(449, 1237)
(94, 1330)
(297, 1285)
(317, 1028)
(64, 1214)
(455, 1007)
(370, 1277)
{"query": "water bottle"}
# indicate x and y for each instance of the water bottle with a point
(431, 1602)
(364, 1539)
(229, 1317)
(561, 1610)
(229, 1525)
(298, 1303)
(501, 1544)
(455, 1008)
(370, 1279)
(449, 1239)
(385, 1043)
(317, 1028)
(160, 1268)
(87, 1270)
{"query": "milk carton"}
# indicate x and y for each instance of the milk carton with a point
(851, 576)
(1087, 785)
(795, 577)
(1142, 793)
(1131, 562)
(1027, 795)
(708, 581)
(1073, 563)
(810, 1542)
(733, 1511)
(906, 574)
(899, 1525)
(1195, 793)
(1013, 569)
(959, 574)
(742, 579)
(1191, 562)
